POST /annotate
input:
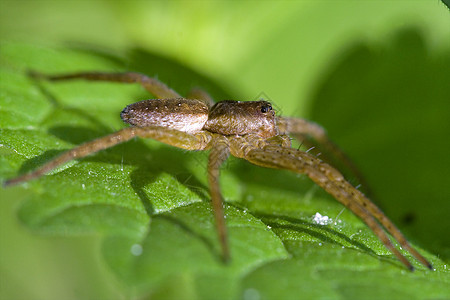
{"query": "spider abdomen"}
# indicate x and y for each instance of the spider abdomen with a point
(181, 114)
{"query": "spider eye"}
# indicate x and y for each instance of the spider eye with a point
(266, 108)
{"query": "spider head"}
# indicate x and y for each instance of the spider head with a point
(241, 118)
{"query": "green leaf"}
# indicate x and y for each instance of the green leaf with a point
(150, 202)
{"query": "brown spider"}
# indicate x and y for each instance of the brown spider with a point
(248, 130)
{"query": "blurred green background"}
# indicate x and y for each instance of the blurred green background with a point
(375, 74)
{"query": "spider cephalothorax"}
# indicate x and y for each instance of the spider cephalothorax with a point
(241, 118)
(247, 130)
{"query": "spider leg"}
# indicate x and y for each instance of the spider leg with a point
(280, 140)
(198, 141)
(154, 86)
(311, 134)
(201, 95)
(273, 156)
(220, 151)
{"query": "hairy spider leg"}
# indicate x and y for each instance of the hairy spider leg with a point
(332, 181)
(197, 141)
(154, 86)
(220, 151)
(309, 128)
(311, 134)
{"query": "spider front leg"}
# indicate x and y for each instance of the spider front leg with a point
(220, 150)
(198, 141)
(274, 156)
(154, 86)
(313, 135)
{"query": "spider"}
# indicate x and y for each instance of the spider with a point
(248, 130)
